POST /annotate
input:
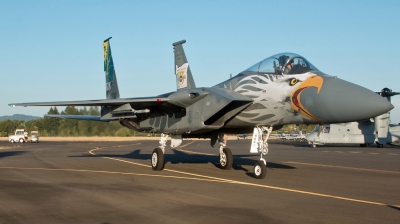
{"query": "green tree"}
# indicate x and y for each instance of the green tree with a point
(94, 110)
(51, 124)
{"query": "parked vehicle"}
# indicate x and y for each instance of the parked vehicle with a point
(244, 136)
(20, 136)
(35, 136)
(281, 137)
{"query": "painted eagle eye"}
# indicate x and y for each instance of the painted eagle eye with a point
(293, 81)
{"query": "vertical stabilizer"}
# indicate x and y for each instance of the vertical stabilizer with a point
(184, 78)
(112, 91)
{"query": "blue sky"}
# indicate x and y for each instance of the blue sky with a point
(52, 50)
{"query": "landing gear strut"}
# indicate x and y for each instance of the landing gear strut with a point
(157, 157)
(259, 145)
(225, 154)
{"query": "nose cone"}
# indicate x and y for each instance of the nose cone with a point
(340, 101)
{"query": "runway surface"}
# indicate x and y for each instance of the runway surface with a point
(112, 182)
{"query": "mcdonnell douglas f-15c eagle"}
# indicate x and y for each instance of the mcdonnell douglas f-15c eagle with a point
(282, 89)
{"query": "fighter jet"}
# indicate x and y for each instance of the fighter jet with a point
(282, 89)
(377, 130)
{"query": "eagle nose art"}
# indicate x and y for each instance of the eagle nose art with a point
(332, 100)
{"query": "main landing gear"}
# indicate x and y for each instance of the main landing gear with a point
(225, 154)
(157, 157)
(259, 145)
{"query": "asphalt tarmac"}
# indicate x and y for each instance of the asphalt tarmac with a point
(112, 182)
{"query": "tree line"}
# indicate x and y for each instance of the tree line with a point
(50, 126)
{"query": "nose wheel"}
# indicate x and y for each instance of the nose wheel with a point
(157, 159)
(260, 170)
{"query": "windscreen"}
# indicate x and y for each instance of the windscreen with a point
(284, 63)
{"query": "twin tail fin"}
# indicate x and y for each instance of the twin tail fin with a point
(112, 91)
(184, 78)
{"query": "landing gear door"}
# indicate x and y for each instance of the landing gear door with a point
(254, 142)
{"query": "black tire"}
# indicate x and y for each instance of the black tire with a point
(12, 141)
(21, 140)
(157, 159)
(260, 170)
(226, 159)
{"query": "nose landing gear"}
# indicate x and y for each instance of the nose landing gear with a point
(259, 145)
(157, 157)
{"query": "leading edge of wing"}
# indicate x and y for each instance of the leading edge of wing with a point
(105, 102)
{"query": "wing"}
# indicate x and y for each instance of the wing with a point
(139, 103)
(115, 109)
(137, 109)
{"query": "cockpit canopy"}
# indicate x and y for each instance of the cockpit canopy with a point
(284, 63)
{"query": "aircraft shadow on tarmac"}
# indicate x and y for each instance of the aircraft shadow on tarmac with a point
(181, 157)
(12, 153)
(331, 145)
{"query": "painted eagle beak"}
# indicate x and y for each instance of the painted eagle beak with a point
(333, 100)
(313, 81)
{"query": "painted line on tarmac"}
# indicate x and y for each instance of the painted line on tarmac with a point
(9, 147)
(192, 152)
(170, 170)
(120, 160)
(343, 167)
(209, 180)
(222, 180)
(199, 153)
(111, 172)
